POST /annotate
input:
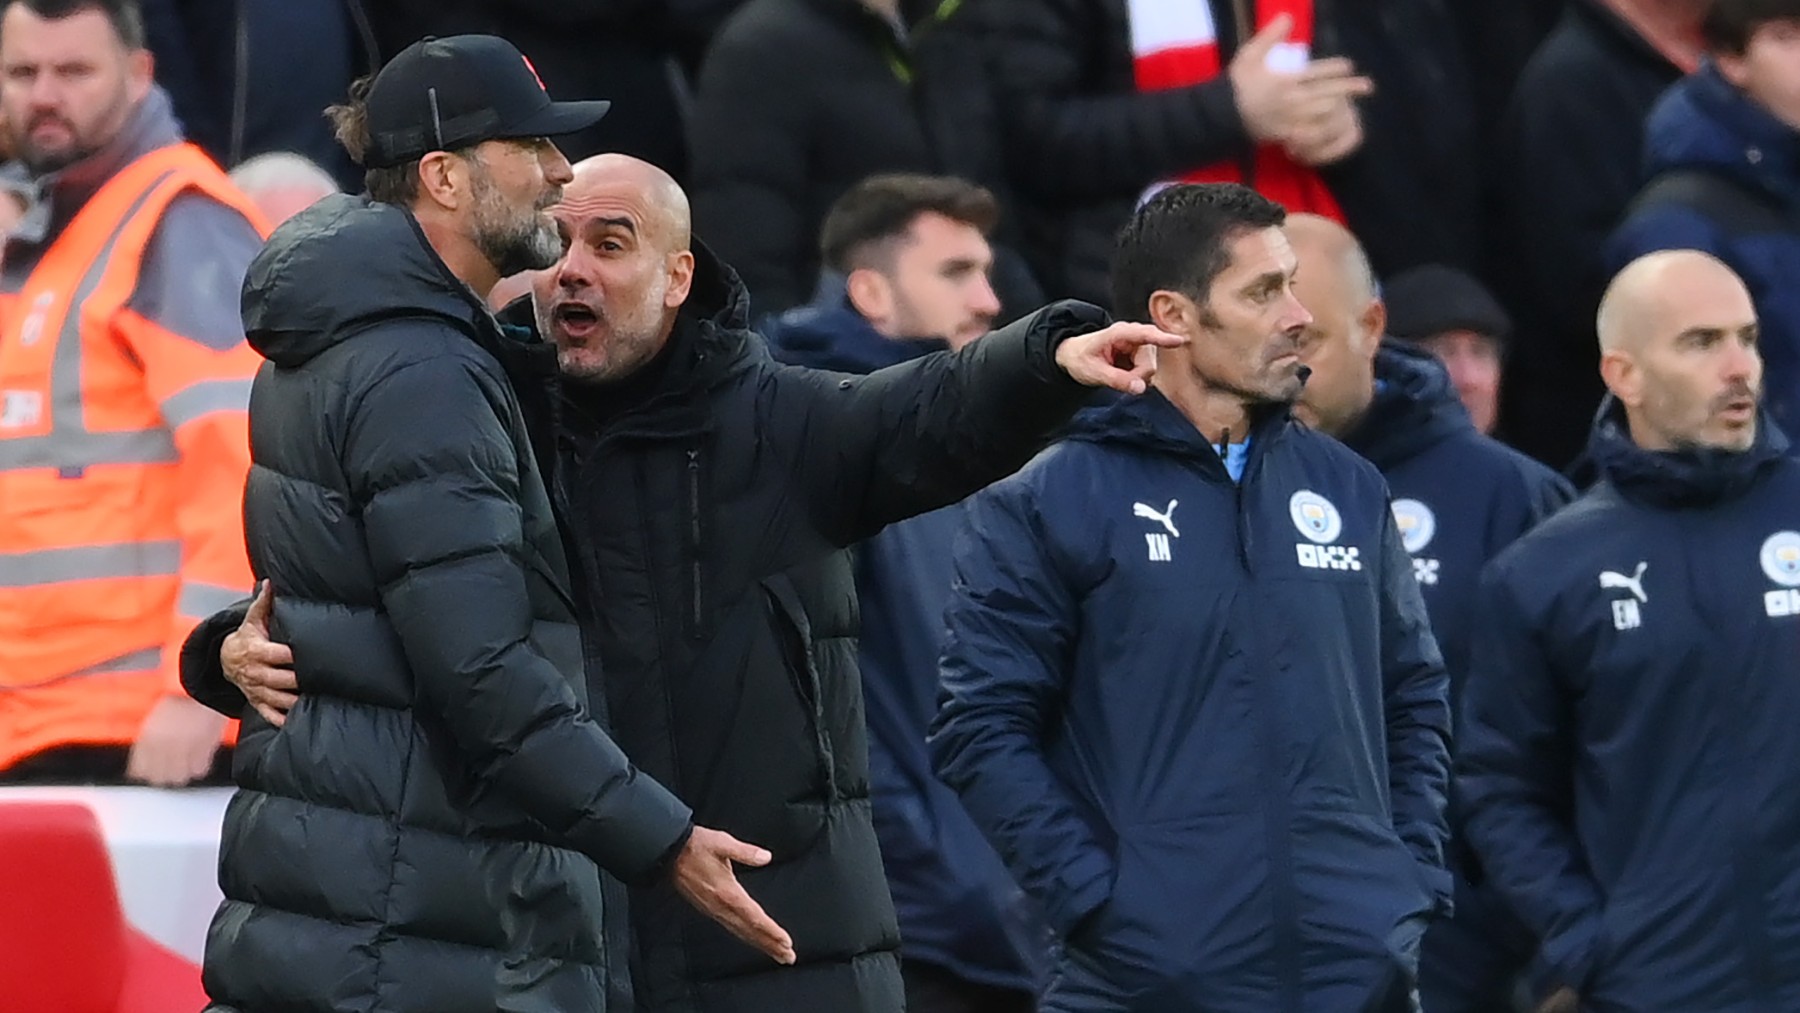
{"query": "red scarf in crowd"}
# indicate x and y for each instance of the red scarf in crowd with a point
(1176, 45)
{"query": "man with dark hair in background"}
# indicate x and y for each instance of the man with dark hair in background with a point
(123, 382)
(1190, 690)
(1722, 151)
(907, 268)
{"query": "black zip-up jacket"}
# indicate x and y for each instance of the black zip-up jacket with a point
(421, 835)
(713, 505)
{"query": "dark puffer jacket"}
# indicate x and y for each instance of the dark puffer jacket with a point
(421, 834)
(717, 491)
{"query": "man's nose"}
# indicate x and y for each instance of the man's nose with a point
(556, 165)
(983, 300)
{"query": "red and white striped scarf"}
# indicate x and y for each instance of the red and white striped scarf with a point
(1175, 44)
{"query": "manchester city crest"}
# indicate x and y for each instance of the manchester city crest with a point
(1417, 524)
(1781, 558)
(1316, 518)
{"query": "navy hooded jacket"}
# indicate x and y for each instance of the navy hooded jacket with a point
(1205, 723)
(1706, 124)
(1459, 496)
(959, 908)
(1630, 770)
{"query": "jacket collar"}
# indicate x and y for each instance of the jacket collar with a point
(1679, 479)
(1415, 408)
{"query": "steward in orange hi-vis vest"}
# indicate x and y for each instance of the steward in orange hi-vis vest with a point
(124, 384)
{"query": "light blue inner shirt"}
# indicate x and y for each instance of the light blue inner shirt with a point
(1235, 456)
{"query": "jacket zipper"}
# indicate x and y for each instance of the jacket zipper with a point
(693, 457)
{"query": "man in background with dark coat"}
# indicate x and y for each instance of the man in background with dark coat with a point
(907, 266)
(1459, 497)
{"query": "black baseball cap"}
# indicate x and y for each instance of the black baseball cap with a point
(441, 94)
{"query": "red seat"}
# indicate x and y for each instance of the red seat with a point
(64, 943)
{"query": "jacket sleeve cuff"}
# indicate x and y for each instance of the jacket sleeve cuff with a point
(1048, 328)
(1088, 884)
(202, 674)
(1568, 958)
(638, 832)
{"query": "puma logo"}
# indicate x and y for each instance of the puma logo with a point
(1610, 580)
(1166, 517)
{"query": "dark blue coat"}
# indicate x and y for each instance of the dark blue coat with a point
(1630, 771)
(1205, 724)
(1705, 123)
(959, 908)
(1459, 496)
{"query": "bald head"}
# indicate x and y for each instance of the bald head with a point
(1336, 285)
(611, 302)
(661, 196)
(1663, 286)
(1678, 349)
(1323, 245)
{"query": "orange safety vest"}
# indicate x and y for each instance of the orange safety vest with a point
(123, 454)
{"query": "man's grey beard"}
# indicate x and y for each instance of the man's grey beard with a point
(512, 244)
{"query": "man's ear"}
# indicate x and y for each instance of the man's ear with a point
(140, 74)
(1622, 376)
(681, 279)
(871, 295)
(1374, 324)
(443, 178)
(1174, 312)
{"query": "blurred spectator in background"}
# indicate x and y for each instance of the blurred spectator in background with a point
(1723, 153)
(254, 76)
(1568, 158)
(1499, 39)
(124, 379)
(1459, 497)
(283, 184)
(801, 99)
(1103, 99)
(1454, 317)
(906, 274)
(581, 49)
(1413, 191)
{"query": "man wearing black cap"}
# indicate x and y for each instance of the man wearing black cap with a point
(1454, 317)
(421, 832)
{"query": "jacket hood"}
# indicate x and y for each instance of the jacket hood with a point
(1705, 122)
(829, 334)
(1415, 408)
(1679, 479)
(1151, 422)
(341, 265)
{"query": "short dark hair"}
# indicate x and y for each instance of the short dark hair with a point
(1177, 241)
(126, 17)
(863, 227)
(1729, 24)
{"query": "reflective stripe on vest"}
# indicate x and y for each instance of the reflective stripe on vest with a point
(69, 445)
